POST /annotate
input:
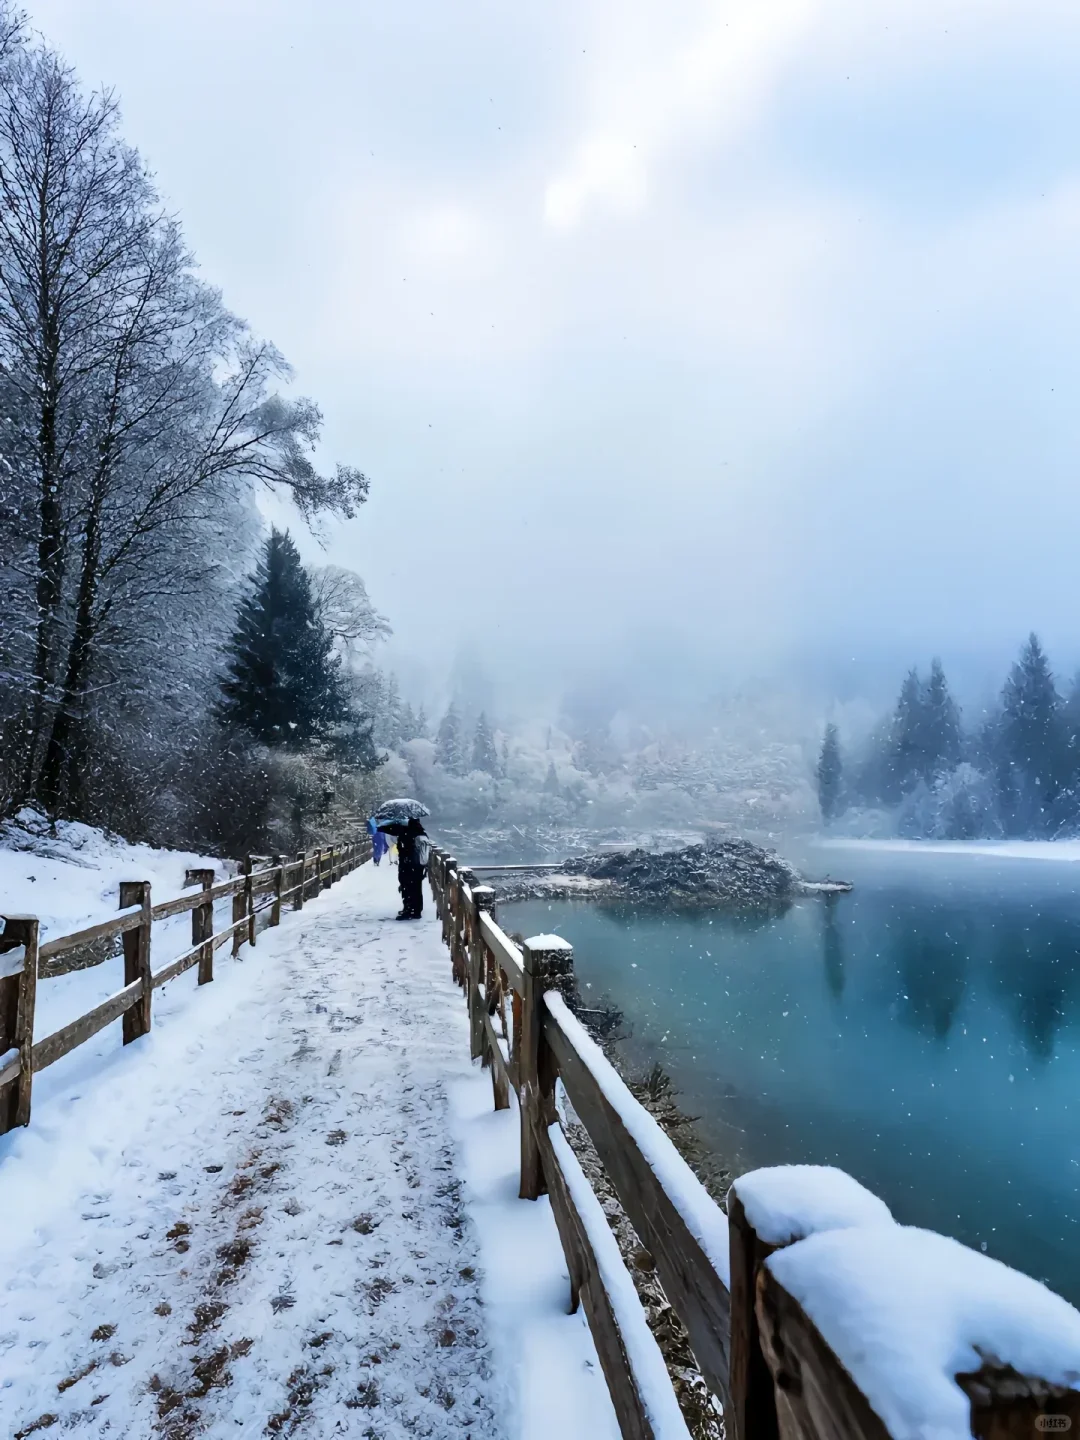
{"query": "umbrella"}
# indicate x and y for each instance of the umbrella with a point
(398, 812)
(396, 828)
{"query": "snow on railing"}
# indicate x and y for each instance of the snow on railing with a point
(810, 1311)
(21, 951)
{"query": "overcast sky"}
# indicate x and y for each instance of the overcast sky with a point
(742, 328)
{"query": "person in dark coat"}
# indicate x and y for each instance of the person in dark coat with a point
(413, 849)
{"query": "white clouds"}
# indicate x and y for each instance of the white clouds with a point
(712, 83)
(604, 167)
(775, 299)
(444, 232)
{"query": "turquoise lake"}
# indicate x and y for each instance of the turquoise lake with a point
(923, 1033)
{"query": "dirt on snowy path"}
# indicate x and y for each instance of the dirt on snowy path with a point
(264, 1234)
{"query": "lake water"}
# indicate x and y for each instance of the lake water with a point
(923, 1033)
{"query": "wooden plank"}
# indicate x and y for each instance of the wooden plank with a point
(11, 1069)
(1006, 1405)
(816, 1398)
(224, 936)
(176, 967)
(61, 1042)
(482, 899)
(506, 953)
(500, 1070)
(691, 1280)
(224, 888)
(596, 1279)
(127, 920)
(184, 902)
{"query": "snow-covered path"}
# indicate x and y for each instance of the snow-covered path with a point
(253, 1223)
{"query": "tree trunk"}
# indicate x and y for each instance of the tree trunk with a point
(50, 566)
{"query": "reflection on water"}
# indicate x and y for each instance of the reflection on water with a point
(922, 1032)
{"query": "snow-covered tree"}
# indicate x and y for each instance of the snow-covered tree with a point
(283, 682)
(1033, 736)
(449, 743)
(830, 774)
(940, 725)
(485, 756)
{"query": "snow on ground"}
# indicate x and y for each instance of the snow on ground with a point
(289, 1210)
(69, 877)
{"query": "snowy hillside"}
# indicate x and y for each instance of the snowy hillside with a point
(69, 875)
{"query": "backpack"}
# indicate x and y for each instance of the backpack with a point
(422, 850)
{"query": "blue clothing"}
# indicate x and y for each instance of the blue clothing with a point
(379, 843)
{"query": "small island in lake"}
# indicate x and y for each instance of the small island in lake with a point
(721, 874)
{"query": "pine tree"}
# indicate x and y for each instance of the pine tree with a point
(449, 748)
(421, 724)
(355, 745)
(283, 684)
(484, 754)
(551, 780)
(940, 725)
(408, 723)
(907, 758)
(830, 775)
(391, 719)
(1033, 735)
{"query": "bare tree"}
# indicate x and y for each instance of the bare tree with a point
(139, 417)
(346, 609)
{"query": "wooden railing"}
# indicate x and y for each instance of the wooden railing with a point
(783, 1368)
(263, 885)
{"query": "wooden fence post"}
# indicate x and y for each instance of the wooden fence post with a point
(449, 875)
(239, 910)
(249, 899)
(483, 898)
(18, 993)
(136, 1021)
(462, 923)
(278, 861)
(328, 871)
(752, 1412)
(202, 924)
(317, 875)
(298, 895)
(548, 963)
(434, 874)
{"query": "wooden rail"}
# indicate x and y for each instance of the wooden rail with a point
(255, 891)
(781, 1370)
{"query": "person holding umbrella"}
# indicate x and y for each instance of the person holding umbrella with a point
(402, 818)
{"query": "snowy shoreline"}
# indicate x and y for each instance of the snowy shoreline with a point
(1059, 851)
